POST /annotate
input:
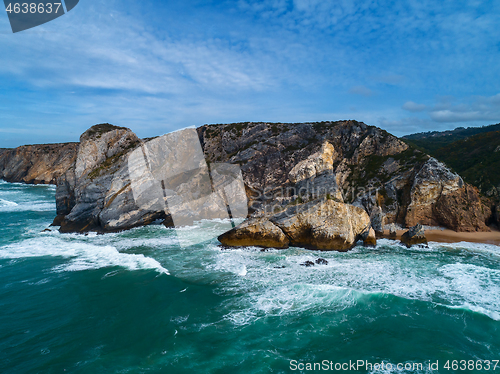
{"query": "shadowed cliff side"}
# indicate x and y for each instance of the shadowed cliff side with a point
(37, 164)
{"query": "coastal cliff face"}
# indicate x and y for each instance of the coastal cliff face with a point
(37, 164)
(358, 171)
(350, 162)
(95, 194)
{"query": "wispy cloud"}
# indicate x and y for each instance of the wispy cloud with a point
(165, 65)
(361, 90)
(413, 107)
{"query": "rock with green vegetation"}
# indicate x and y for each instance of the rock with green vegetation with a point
(284, 165)
(472, 152)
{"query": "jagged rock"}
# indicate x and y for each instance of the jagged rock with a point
(323, 224)
(377, 219)
(370, 239)
(415, 235)
(321, 261)
(82, 192)
(431, 182)
(462, 210)
(314, 164)
(377, 143)
(255, 232)
(307, 263)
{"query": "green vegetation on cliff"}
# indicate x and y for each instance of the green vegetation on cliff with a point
(474, 153)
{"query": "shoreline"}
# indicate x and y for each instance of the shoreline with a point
(450, 236)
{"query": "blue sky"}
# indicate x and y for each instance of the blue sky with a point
(156, 66)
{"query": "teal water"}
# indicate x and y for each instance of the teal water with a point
(136, 302)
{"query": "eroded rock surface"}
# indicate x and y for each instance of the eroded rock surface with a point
(320, 224)
(37, 164)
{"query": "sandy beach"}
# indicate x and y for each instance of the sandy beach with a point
(450, 236)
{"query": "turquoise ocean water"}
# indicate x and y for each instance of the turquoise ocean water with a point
(136, 302)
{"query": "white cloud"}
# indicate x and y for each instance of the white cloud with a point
(479, 108)
(413, 107)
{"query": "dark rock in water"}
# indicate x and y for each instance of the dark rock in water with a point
(321, 261)
(415, 235)
(279, 267)
(307, 263)
(47, 230)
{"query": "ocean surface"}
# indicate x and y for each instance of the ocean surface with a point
(136, 302)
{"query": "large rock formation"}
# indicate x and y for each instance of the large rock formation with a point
(462, 210)
(258, 232)
(347, 161)
(320, 224)
(351, 166)
(432, 182)
(95, 194)
(37, 164)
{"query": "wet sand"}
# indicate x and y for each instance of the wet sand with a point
(450, 236)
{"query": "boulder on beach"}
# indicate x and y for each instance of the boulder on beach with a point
(415, 235)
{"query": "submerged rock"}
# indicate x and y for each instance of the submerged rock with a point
(415, 235)
(321, 261)
(307, 263)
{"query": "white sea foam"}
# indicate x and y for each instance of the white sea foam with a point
(7, 203)
(275, 283)
(81, 255)
(40, 206)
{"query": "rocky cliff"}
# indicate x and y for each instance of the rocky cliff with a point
(37, 164)
(347, 161)
(359, 170)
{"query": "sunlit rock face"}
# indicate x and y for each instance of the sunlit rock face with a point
(319, 224)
